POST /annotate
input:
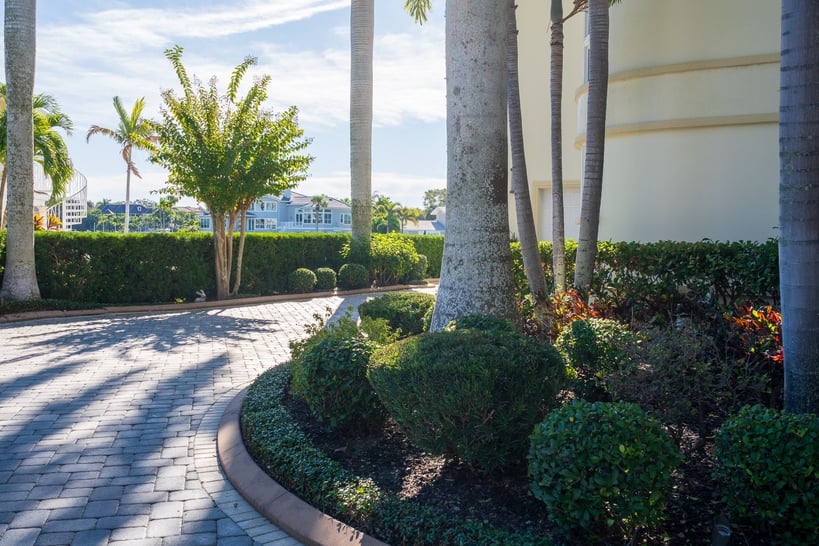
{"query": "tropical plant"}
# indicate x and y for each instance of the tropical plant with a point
(319, 203)
(798, 194)
(362, 25)
(19, 275)
(385, 215)
(408, 214)
(227, 152)
(133, 132)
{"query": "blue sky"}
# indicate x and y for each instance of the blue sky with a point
(88, 51)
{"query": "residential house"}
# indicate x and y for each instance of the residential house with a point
(292, 212)
(436, 226)
(692, 121)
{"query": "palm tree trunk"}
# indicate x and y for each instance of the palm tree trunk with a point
(20, 276)
(595, 143)
(520, 179)
(362, 29)
(476, 272)
(556, 105)
(127, 195)
(3, 196)
(799, 203)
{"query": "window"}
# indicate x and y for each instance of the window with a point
(328, 216)
(270, 223)
(204, 223)
(346, 218)
(269, 206)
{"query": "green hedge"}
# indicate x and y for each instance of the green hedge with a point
(431, 246)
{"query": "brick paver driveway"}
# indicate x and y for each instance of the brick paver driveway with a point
(107, 423)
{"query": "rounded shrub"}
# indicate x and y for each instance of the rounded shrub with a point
(480, 322)
(468, 394)
(601, 467)
(594, 348)
(401, 310)
(330, 375)
(301, 280)
(769, 468)
(325, 278)
(419, 269)
(353, 276)
(392, 258)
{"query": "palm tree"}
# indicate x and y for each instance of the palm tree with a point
(385, 215)
(798, 195)
(595, 143)
(20, 277)
(520, 179)
(319, 204)
(133, 131)
(50, 150)
(408, 214)
(362, 25)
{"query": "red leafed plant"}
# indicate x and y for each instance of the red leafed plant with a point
(760, 329)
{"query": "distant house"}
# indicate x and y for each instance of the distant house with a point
(135, 209)
(436, 226)
(292, 212)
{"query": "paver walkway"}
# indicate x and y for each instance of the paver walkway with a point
(108, 423)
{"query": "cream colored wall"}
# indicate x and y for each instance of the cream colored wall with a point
(692, 131)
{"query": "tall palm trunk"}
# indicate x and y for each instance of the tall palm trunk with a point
(127, 195)
(476, 273)
(799, 203)
(362, 28)
(520, 179)
(556, 105)
(595, 143)
(20, 277)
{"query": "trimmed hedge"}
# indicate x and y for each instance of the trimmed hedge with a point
(431, 246)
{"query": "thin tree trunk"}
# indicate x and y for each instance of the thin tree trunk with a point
(520, 179)
(20, 276)
(127, 196)
(476, 272)
(556, 105)
(220, 261)
(799, 203)
(240, 252)
(3, 197)
(595, 144)
(362, 29)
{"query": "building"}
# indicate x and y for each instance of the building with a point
(71, 209)
(292, 212)
(436, 226)
(136, 208)
(692, 120)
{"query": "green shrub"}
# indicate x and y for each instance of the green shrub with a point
(769, 468)
(353, 276)
(325, 278)
(419, 270)
(302, 280)
(392, 258)
(595, 348)
(602, 467)
(431, 246)
(470, 394)
(480, 322)
(401, 310)
(330, 375)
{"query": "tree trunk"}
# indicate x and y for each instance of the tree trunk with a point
(362, 28)
(221, 265)
(20, 276)
(127, 196)
(3, 172)
(476, 273)
(556, 105)
(799, 203)
(241, 251)
(595, 143)
(520, 179)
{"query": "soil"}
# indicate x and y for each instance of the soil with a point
(386, 457)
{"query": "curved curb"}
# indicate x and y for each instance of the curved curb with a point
(299, 519)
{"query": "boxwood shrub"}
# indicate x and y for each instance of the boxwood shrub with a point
(769, 469)
(602, 468)
(353, 276)
(325, 278)
(401, 310)
(301, 280)
(468, 394)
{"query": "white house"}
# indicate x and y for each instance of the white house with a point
(292, 212)
(692, 122)
(436, 226)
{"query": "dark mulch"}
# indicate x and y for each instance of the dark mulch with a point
(385, 456)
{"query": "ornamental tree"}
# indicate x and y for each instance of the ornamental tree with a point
(227, 152)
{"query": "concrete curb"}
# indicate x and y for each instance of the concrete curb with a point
(296, 517)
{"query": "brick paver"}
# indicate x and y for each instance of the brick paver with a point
(108, 423)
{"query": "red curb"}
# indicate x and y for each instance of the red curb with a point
(293, 515)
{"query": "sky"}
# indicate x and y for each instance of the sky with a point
(89, 51)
